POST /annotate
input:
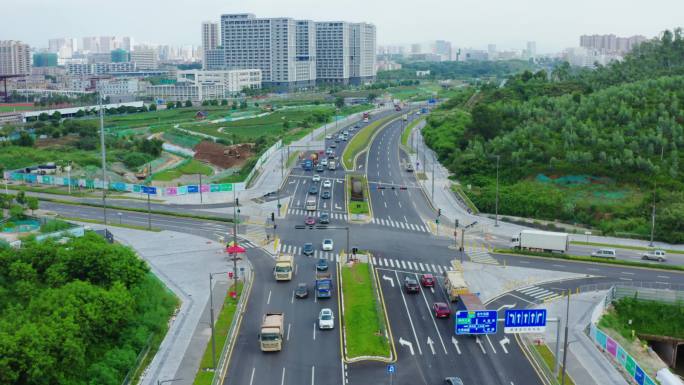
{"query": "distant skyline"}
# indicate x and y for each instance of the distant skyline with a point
(466, 23)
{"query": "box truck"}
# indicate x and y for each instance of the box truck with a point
(544, 241)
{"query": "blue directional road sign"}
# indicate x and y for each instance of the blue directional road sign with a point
(391, 368)
(525, 321)
(148, 190)
(476, 322)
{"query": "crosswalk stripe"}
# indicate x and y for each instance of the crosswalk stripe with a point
(547, 295)
(532, 290)
(440, 269)
(447, 268)
(391, 262)
(402, 225)
(403, 265)
(384, 262)
(421, 266)
(373, 259)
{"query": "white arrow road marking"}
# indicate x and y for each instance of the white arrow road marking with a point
(360, 166)
(298, 202)
(337, 207)
(339, 181)
(506, 306)
(455, 342)
(292, 181)
(503, 343)
(388, 279)
(432, 289)
(406, 343)
(432, 345)
(477, 341)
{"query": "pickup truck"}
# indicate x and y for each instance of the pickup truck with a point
(654, 255)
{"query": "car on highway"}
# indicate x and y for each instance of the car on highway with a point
(453, 381)
(604, 253)
(326, 319)
(327, 183)
(328, 137)
(302, 290)
(409, 167)
(337, 139)
(316, 178)
(427, 280)
(324, 162)
(654, 255)
(310, 221)
(333, 145)
(320, 168)
(313, 190)
(325, 217)
(327, 244)
(325, 194)
(441, 310)
(322, 265)
(308, 249)
(411, 285)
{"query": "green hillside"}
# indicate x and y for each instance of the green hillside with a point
(582, 146)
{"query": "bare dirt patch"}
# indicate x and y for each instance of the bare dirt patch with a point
(224, 156)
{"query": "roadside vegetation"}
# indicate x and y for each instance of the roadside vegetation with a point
(83, 310)
(360, 142)
(407, 133)
(364, 320)
(590, 147)
(549, 361)
(188, 167)
(645, 317)
(221, 328)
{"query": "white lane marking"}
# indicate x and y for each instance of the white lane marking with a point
(627, 272)
(282, 379)
(313, 370)
(268, 301)
(625, 279)
(663, 276)
(385, 204)
(477, 341)
(288, 331)
(503, 343)
(403, 298)
(432, 317)
(314, 332)
(251, 378)
(386, 278)
(292, 299)
(455, 342)
(403, 342)
(506, 306)
(490, 343)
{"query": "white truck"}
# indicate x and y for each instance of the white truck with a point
(271, 333)
(311, 203)
(544, 241)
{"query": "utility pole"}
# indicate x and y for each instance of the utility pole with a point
(235, 242)
(565, 342)
(69, 177)
(557, 363)
(433, 179)
(200, 187)
(149, 206)
(496, 220)
(653, 215)
(104, 164)
(462, 250)
(211, 321)
(282, 175)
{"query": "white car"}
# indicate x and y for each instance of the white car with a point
(328, 136)
(327, 183)
(316, 178)
(327, 244)
(324, 162)
(655, 255)
(604, 253)
(326, 319)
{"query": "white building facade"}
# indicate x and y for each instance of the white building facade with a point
(15, 58)
(197, 85)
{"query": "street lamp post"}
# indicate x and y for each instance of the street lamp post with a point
(653, 215)
(120, 215)
(200, 187)
(565, 342)
(104, 163)
(496, 220)
(211, 315)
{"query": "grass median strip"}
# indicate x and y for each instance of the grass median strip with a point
(360, 141)
(580, 258)
(626, 247)
(205, 375)
(114, 224)
(548, 358)
(363, 318)
(358, 206)
(407, 132)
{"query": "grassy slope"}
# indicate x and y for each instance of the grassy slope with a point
(361, 318)
(191, 167)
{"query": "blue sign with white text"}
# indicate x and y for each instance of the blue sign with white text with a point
(525, 321)
(148, 190)
(476, 322)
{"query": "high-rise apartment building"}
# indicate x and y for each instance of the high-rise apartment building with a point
(210, 40)
(15, 58)
(610, 43)
(442, 48)
(145, 58)
(531, 50)
(64, 47)
(296, 53)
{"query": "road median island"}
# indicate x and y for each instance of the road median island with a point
(110, 223)
(543, 353)
(579, 258)
(407, 133)
(626, 247)
(205, 375)
(358, 205)
(365, 327)
(361, 141)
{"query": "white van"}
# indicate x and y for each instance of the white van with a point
(604, 253)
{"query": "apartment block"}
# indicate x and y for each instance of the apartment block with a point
(332, 52)
(610, 43)
(145, 58)
(210, 40)
(305, 53)
(362, 48)
(15, 58)
(84, 69)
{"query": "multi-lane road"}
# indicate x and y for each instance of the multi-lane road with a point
(402, 244)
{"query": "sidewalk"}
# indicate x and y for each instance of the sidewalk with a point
(183, 262)
(446, 200)
(586, 364)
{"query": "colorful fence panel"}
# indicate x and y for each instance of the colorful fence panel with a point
(620, 356)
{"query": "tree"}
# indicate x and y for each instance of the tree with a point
(243, 105)
(224, 102)
(32, 203)
(16, 211)
(179, 104)
(234, 106)
(371, 97)
(24, 140)
(170, 105)
(286, 124)
(79, 114)
(188, 103)
(43, 117)
(56, 116)
(339, 102)
(153, 107)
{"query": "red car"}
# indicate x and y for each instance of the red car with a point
(427, 280)
(310, 221)
(441, 310)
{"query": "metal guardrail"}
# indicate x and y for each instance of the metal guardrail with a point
(233, 330)
(138, 361)
(539, 360)
(635, 284)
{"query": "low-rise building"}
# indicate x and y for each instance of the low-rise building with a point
(198, 85)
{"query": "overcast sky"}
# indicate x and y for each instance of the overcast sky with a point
(553, 24)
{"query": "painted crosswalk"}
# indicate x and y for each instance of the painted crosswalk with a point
(539, 293)
(401, 264)
(481, 256)
(400, 225)
(317, 254)
(304, 213)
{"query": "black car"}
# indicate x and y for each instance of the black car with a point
(325, 217)
(325, 194)
(302, 290)
(411, 285)
(322, 265)
(313, 190)
(308, 249)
